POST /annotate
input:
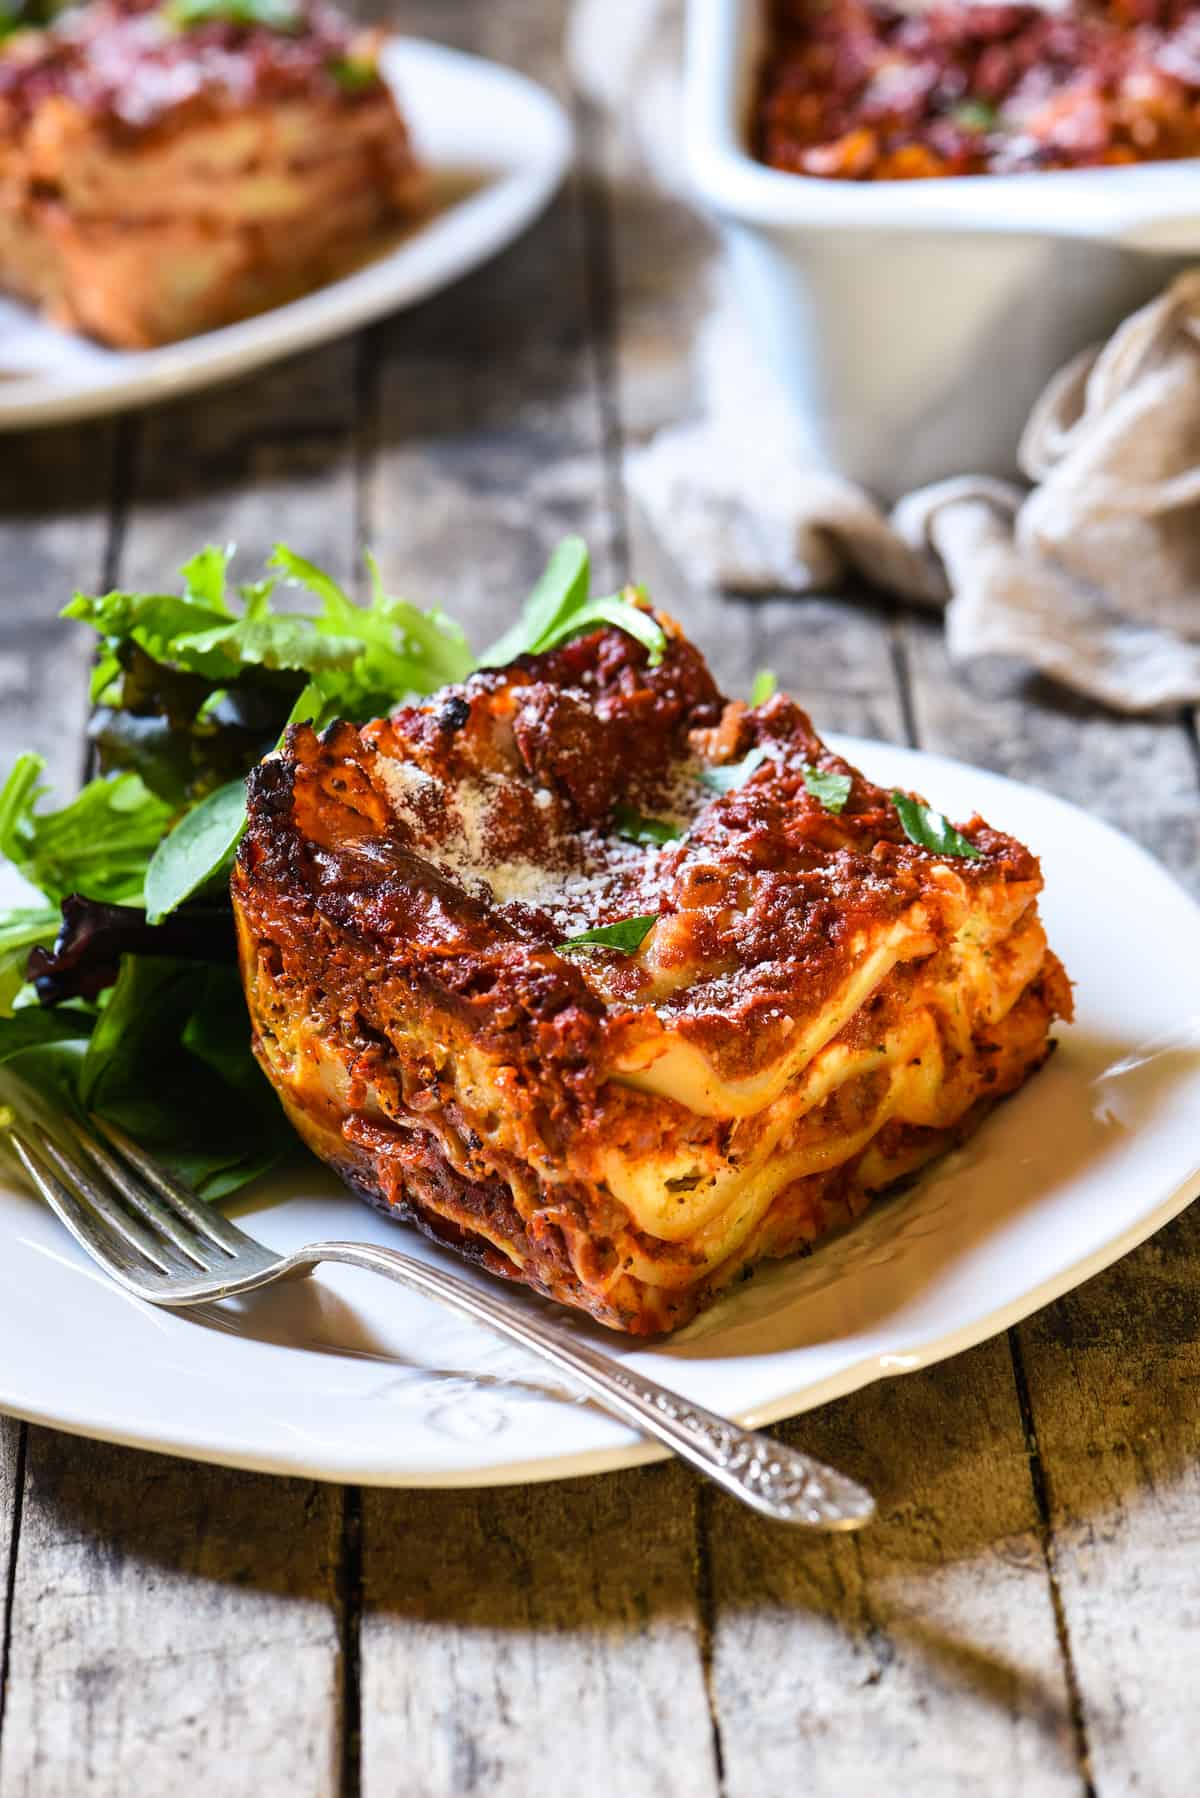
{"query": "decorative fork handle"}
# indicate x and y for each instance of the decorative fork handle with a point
(777, 1481)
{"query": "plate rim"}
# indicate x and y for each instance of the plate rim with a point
(518, 194)
(911, 1357)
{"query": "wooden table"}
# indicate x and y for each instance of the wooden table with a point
(1023, 1618)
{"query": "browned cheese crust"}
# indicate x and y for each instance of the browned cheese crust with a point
(820, 1007)
(158, 181)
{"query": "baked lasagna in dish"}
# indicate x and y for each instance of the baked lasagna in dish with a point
(166, 169)
(863, 90)
(618, 987)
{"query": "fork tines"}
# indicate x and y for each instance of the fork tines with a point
(132, 1217)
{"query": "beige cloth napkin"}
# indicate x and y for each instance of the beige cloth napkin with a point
(1091, 574)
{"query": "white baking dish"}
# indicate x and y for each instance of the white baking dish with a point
(913, 323)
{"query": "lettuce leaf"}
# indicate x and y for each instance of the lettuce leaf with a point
(99, 844)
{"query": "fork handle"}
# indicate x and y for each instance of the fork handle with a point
(780, 1482)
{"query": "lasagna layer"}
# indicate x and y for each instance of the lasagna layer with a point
(157, 180)
(817, 1005)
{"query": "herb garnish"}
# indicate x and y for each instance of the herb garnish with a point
(637, 829)
(559, 608)
(274, 15)
(930, 830)
(354, 73)
(764, 687)
(627, 935)
(832, 790)
(726, 777)
(975, 115)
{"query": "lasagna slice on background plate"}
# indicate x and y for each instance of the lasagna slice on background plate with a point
(165, 170)
(618, 987)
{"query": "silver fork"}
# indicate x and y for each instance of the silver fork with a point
(157, 1240)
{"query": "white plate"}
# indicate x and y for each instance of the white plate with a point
(347, 1377)
(497, 146)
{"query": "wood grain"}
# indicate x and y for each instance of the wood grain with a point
(12, 1438)
(921, 1656)
(1139, 774)
(172, 1629)
(1114, 1373)
(537, 1643)
(56, 535)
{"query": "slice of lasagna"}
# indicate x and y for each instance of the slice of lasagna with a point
(165, 169)
(618, 987)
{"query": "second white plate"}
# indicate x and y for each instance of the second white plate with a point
(497, 146)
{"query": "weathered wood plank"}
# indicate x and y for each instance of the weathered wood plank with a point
(1139, 774)
(173, 1630)
(1106, 1365)
(920, 1656)
(11, 1435)
(835, 656)
(536, 1643)
(1114, 1371)
(268, 459)
(54, 537)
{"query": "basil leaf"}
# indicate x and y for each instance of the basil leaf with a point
(199, 847)
(627, 935)
(619, 612)
(832, 790)
(929, 829)
(637, 829)
(975, 115)
(727, 777)
(560, 589)
(559, 608)
(274, 15)
(353, 73)
(764, 688)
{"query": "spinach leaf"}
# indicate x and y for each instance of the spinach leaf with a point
(929, 829)
(152, 1065)
(627, 935)
(832, 790)
(199, 849)
(34, 1027)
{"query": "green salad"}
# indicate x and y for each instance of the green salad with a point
(119, 990)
